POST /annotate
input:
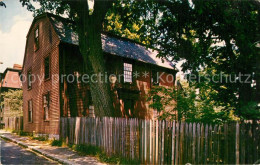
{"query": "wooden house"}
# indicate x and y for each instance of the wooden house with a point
(52, 51)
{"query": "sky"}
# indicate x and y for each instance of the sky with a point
(15, 22)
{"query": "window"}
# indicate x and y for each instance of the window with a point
(36, 39)
(128, 69)
(155, 77)
(29, 79)
(47, 67)
(46, 105)
(30, 111)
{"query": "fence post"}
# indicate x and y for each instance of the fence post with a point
(237, 143)
(173, 141)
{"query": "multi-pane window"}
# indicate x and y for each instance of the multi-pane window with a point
(155, 77)
(47, 67)
(128, 70)
(46, 105)
(29, 79)
(36, 39)
(30, 111)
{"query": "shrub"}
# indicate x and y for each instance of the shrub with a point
(21, 133)
(56, 143)
(87, 149)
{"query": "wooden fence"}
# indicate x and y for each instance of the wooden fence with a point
(13, 123)
(163, 142)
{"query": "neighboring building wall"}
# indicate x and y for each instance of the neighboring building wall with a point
(34, 61)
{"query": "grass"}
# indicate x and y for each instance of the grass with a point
(41, 138)
(91, 150)
(84, 149)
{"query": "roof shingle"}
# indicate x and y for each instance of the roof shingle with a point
(111, 45)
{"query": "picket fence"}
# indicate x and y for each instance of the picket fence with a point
(165, 142)
(13, 123)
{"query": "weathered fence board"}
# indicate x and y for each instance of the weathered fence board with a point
(13, 123)
(165, 142)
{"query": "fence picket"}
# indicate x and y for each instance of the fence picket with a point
(164, 142)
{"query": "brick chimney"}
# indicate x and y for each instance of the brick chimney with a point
(17, 66)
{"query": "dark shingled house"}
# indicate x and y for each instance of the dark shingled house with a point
(52, 49)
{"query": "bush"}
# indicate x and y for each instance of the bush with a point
(56, 143)
(22, 133)
(87, 149)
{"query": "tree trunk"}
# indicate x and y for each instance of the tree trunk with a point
(257, 75)
(90, 44)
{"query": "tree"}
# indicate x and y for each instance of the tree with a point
(192, 104)
(219, 36)
(13, 101)
(88, 26)
(2, 4)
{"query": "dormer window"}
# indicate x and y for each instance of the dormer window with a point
(128, 70)
(36, 39)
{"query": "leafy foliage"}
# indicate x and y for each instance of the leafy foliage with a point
(215, 36)
(56, 143)
(189, 103)
(13, 103)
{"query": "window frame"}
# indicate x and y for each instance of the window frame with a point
(48, 106)
(127, 72)
(49, 76)
(36, 38)
(29, 79)
(30, 115)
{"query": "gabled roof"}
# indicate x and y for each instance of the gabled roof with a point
(112, 45)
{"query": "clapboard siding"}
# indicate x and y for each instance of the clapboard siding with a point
(34, 60)
(72, 99)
